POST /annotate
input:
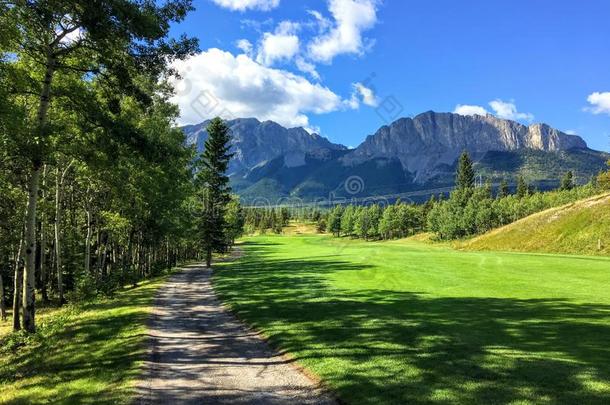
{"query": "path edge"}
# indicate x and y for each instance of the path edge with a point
(316, 381)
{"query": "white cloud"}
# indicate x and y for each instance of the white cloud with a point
(464, 109)
(600, 103)
(313, 130)
(218, 83)
(243, 5)
(367, 95)
(245, 46)
(283, 44)
(501, 109)
(307, 67)
(571, 132)
(322, 23)
(508, 110)
(344, 35)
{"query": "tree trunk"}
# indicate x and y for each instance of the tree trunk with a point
(18, 286)
(29, 281)
(44, 277)
(59, 196)
(58, 256)
(208, 258)
(88, 243)
(2, 300)
(29, 322)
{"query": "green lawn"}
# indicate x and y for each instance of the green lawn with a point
(406, 322)
(89, 353)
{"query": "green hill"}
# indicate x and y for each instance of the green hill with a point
(582, 227)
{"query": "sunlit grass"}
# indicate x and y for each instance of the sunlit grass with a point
(89, 353)
(579, 228)
(408, 322)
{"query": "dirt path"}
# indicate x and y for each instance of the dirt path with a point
(201, 354)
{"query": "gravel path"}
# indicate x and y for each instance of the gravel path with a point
(201, 354)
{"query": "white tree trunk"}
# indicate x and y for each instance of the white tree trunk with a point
(29, 310)
(18, 283)
(88, 243)
(59, 196)
(43, 243)
(29, 323)
(58, 256)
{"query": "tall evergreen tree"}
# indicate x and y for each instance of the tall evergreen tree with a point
(464, 178)
(215, 189)
(522, 187)
(334, 220)
(504, 191)
(567, 181)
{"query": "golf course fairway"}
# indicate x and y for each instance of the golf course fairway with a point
(407, 322)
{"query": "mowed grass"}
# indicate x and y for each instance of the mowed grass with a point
(91, 353)
(581, 227)
(406, 322)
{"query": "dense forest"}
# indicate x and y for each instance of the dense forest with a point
(99, 188)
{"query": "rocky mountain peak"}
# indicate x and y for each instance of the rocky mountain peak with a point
(431, 139)
(255, 142)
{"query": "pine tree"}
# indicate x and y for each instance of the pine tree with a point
(504, 191)
(464, 178)
(347, 220)
(215, 188)
(522, 187)
(567, 182)
(334, 220)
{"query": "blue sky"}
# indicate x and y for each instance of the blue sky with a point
(346, 67)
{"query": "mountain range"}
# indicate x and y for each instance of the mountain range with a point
(411, 156)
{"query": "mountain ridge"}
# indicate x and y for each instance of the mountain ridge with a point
(408, 154)
(431, 138)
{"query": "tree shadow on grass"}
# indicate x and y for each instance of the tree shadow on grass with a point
(385, 346)
(84, 356)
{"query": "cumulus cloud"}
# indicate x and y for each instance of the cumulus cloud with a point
(464, 109)
(501, 109)
(366, 94)
(283, 44)
(600, 103)
(243, 5)
(344, 34)
(218, 83)
(508, 110)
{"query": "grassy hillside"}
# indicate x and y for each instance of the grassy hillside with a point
(403, 322)
(578, 228)
(89, 353)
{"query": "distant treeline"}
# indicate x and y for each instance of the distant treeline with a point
(468, 210)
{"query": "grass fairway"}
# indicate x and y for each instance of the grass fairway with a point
(405, 322)
(86, 354)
